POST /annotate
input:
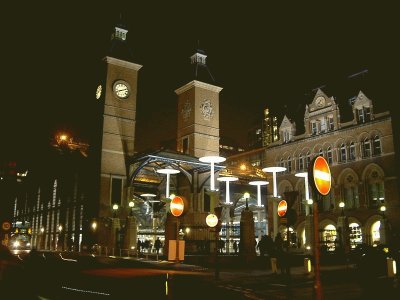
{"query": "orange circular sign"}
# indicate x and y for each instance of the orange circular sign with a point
(177, 206)
(6, 226)
(282, 208)
(322, 176)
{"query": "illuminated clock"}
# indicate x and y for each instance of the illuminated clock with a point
(121, 89)
(320, 101)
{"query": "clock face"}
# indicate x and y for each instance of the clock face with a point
(98, 92)
(320, 101)
(121, 90)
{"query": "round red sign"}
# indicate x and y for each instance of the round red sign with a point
(6, 226)
(282, 208)
(322, 176)
(177, 206)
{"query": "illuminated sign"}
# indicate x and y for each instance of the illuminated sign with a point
(282, 208)
(321, 175)
(176, 206)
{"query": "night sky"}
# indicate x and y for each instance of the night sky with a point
(261, 55)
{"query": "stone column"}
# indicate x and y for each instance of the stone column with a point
(275, 202)
(344, 234)
(130, 239)
(247, 248)
(115, 226)
(383, 231)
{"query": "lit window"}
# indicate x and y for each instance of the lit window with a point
(301, 162)
(366, 148)
(360, 113)
(343, 153)
(377, 145)
(352, 152)
(375, 234)
(329, 155)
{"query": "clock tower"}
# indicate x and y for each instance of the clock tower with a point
(198, 111)
(118, 92)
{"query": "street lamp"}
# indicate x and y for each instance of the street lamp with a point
(227, 180)
(168, 172)
(94, 225)
(274, 170)
(383, 209)
(115, 208)
(259, 183)
(212, 160)
(341, 205)
(131, 205)
(305, 176)
(246, 196)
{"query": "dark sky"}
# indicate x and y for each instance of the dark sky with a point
(261, 55)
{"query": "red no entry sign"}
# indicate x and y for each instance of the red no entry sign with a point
(177, 206)
(321, 175)
(282, 208)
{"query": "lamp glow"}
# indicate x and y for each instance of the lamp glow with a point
(212, 220)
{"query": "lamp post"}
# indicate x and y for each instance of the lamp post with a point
(246, 197)
(227, 180)
(212, 160)
(168, 172)
(383, 209)
(259, 183)
(341, 205)
(306, 190)
(115, 209)
(131, 205)
(274, 170)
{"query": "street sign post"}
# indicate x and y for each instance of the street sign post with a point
(321, 179)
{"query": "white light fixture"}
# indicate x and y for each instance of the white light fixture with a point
(212, 160)
(168, 172)
(274, 170)
(259, 183)
(341, 204)
(227, 180)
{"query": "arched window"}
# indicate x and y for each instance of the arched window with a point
(343, 156)
(355, 235)
(375, 234)
(301, 162)
(376, 192)
(329, 237)
(329, 155)
(320, 152)
(351, 198)
(366, 147)
(308, 159)
(352, 152)
(377, 145)
(289, 164)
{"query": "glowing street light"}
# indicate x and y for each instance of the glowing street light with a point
(341, 205)
(115, 208)
(131, 205)
(274, 170)
(94, 225)
(246, 196)
(227, 180)
(168, 172)
(212, 160)
(305, 176)
(259, 183)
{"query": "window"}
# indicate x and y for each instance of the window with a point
(323, 125)
(185, 145)
(313, 128)
(282, 163)
(301, 162)
(116, 190)
(367, 113)
(320, 152)
(352, 152)
(366, 145)
(289, 165)
(355, 235)
(377, 145)
(331, 124)
(376, 193)
(343, 153)
(360, 113)
(286, 136)
(308, 159)
(375, 234)
(329, 155)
